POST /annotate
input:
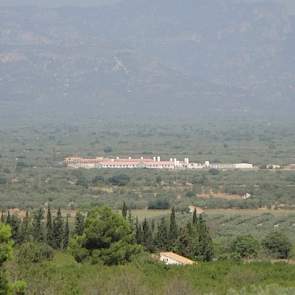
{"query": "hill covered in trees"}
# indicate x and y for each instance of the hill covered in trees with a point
(147, 58)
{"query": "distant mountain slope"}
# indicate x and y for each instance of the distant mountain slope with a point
(148, 57)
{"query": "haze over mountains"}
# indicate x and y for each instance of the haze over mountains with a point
(149, 58)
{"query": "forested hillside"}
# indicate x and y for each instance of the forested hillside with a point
(147, 58)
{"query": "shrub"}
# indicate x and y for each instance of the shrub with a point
(277, 245)
(32, 252)
(159, 204)
(98, 179)
(245, 246)
(19, 287)
(79, 253)
(119, 180)
(214, 171)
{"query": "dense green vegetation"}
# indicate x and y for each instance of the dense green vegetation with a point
(107, 240)
(65, 276)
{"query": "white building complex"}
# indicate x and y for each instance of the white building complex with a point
(148, 163)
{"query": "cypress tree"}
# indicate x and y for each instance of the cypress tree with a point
(37, 225)
(15, 223)
(8, 217)
(130, 218)
(49, 228)
(2, 216)
(66, 237)
(25, 228)
(161, 239)
(138, 232)
(206, 245)
(200, 221)
(79, 224)
(124, 210)
(58, 230)
(173, 231)
(205, 249)
(147, 238)
(185, 241)
(153, 225)
(195, 217)
(195, 242)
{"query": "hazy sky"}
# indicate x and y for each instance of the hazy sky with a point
(290, 4)
(147, 58)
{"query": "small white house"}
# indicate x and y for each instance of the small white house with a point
(170, 258)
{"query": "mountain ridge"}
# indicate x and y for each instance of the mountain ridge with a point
(143, 57)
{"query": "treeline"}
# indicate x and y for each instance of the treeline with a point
(39, 227)
(275, 245)
(46, 231)
(191, 240)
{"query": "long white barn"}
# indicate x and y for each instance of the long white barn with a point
(148, 163)
(120, 163)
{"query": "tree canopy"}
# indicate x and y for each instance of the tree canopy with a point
(245, 246)
(107, 238)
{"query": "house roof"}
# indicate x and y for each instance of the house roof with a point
(177, 258)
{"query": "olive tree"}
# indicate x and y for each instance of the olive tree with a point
(277, 245)
(245, 246)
